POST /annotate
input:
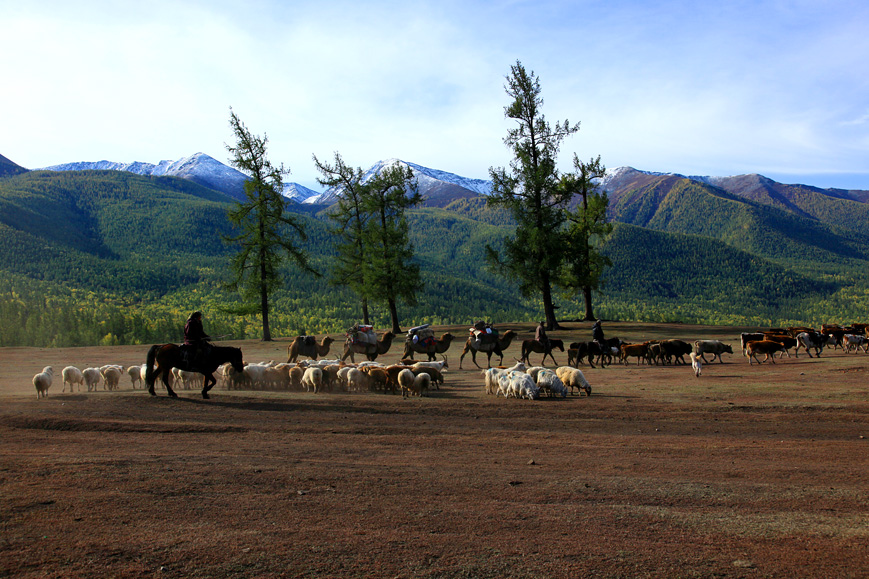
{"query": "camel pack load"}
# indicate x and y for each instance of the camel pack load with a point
(485, 336)
(362, 334)
(422, 335)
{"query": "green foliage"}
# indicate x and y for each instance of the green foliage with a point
(124, 259)
(266, 230)
(350, 266)
(530, 192)
(391, 272)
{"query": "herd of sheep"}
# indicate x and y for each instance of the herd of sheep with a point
(410, 378)
(417, 378)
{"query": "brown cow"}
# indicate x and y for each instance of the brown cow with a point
(641, 351)
(767, 347)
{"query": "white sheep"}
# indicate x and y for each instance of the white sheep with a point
(405, 381)
(548, 381)
(421, 383)
(357, 380)
(573, 378)
(111, 376)
(440, 366)
(92, 377)
(72, 375)
(523, 386)
(254, 375)
(313, 379)
(189, 380)
(135, 373)
(42, 381)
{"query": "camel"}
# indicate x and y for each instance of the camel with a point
(370, 350)
(498, 348)
(438, 347)
(301, 347)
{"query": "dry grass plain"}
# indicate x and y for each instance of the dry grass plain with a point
(747, 471)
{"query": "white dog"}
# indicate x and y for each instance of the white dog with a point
(696, 364)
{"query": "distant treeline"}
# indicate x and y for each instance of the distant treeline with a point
(114, 258)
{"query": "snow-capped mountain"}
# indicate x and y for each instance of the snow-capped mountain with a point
(298, 193)
(437, 187)
(199, 168)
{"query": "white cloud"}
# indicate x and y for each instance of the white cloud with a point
(672, 86)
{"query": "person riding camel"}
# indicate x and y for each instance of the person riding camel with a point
(195, 339)
(541, 336)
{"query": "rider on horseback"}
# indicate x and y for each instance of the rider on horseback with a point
(541, 336)
(597, 334)
(195, 340)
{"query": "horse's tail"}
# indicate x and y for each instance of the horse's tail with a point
(150, 375)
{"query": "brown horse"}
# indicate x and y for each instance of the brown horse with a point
(497, 347)
(163, 357)
(529, 346)
(301, 347)
(370, 350)
(435, 347)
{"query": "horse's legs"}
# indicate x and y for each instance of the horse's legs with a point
(209, 383)
(169, 390)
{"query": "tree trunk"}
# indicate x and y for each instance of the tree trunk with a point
(264, 305)
(365, 317)
(589, 314)
(393, 312)
(548, 306)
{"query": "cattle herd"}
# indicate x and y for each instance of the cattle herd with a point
(416, 378)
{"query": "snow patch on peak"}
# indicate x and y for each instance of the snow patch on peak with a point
(426, 178)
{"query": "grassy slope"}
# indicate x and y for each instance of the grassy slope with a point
(152, 247)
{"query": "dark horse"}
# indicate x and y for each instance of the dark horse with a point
(529, 346)
(168, 356)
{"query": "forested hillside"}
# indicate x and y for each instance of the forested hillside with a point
(109, 257)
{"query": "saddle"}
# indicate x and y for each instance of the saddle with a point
(192, 355)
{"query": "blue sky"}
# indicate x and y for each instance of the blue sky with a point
(779, 88)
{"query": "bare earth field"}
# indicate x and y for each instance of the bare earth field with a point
(746, 471)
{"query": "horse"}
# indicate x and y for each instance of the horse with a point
(529, 346)
(498, 347)
(302, 347)
(433, 348)
(167, 356)
(370, 350)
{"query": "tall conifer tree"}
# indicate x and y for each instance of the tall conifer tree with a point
(351, 268)
(530, 190)
(263, 225)
(587, 226)
(393, 274)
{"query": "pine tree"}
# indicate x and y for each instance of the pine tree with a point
(587, 227)
(351, 268)
(530, 191)
(264, 226)
(393, 274)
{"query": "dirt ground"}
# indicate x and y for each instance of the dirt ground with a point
(747, 471)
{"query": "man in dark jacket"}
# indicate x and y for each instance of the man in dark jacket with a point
(597, 333)
(541, 336)
(195, 339)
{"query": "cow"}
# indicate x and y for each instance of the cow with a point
(676, 350)
(714, 347)
(784, 340)
(811, 340)
(767, 347)
(855, 342)
(747, 337)
(640, 351)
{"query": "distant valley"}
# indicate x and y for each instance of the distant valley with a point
(120, 253)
